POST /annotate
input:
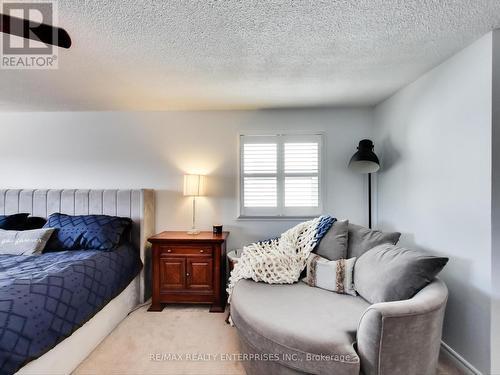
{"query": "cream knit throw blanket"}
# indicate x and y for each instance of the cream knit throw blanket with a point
(280, 260)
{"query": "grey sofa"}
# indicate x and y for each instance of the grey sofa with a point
(298, 329)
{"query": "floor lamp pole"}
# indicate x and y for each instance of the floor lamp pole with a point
(369, 200)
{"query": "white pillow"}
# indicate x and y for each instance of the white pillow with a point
(333, 275)
(24, 242)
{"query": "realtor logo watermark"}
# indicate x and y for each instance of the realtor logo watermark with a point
(28, 53)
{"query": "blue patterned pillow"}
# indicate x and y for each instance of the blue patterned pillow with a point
(13, 222)
(96, 232)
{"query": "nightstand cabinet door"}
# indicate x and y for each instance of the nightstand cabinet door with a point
(200, 273)
(172, 273)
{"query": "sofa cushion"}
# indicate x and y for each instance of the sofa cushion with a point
(300, 322)
(333, 245)
(333, 275)
(391, 273)
(362, 239)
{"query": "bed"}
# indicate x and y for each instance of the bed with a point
(61, 305)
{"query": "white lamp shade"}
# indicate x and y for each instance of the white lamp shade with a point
(194, 185)
(364, 166)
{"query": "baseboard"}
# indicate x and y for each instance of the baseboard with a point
(459, 361)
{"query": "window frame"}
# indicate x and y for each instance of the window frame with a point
(280, 211)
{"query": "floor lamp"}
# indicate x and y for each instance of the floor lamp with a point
(365, 161)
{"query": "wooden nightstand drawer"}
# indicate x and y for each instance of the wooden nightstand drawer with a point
(187, 250)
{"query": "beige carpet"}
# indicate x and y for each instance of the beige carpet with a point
(160, 343)
(177, 330)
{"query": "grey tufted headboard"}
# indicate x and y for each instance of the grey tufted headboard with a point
(135, 204)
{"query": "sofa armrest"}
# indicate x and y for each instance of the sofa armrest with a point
(403, 337)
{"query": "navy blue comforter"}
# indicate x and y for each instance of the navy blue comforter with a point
(44, 298)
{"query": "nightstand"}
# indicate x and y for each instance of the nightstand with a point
(189, 268)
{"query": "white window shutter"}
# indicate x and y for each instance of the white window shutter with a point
(301, 191)
(260, 192)
(301, 164)
(260, 158)
(301, 157)
(280, 175)
(259, 180)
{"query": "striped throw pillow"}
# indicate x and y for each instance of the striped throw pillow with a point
(333, 275)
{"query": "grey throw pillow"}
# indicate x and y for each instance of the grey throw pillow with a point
(333, 245)
(392, 273)
(362, 239)
(26, 242)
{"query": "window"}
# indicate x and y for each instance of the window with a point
(280, 175)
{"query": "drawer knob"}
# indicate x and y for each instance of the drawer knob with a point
(202, 251)
(187, 274)
(169, 250)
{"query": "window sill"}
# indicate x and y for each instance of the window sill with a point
(275, 218)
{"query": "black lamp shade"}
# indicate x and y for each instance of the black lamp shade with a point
(364, 160)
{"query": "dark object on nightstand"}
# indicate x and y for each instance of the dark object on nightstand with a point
(189, 268)
(217, 229)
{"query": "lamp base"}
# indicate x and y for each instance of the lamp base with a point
(193, 231)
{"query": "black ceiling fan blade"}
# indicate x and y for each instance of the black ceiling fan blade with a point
(41, 32)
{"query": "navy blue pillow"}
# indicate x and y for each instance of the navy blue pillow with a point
(34, 222)
(13, 222)
(96, 232)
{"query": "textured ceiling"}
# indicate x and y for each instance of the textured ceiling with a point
(233, 54)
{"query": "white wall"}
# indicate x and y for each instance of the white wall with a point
(434, 141)
(495, 214)
(154, 150)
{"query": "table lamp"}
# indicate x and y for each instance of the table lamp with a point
(194, 186)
